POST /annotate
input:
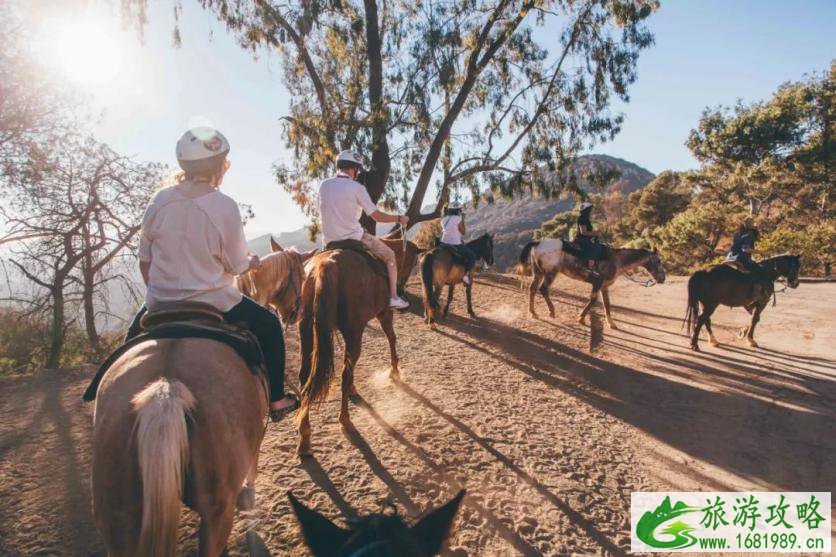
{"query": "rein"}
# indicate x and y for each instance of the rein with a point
(646, 283)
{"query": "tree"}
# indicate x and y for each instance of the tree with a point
(411, 83)
(653, 206)
(73, 207)
(775, 158)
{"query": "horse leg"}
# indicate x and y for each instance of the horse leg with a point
(711, 340)
(246, 497)
(544, 290)
(215, 527)
(304, 418)
(468, 290)
(353, 346)
(532, 290)
(750, 330)
(605, 297)
(593, 296)
(386, 323)
(707, 310)
(450, 288)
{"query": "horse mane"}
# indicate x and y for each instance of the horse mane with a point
(274, 267)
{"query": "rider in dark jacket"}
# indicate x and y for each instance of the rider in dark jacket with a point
(743, 245)
(587, 239)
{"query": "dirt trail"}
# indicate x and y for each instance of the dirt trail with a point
(549, 425)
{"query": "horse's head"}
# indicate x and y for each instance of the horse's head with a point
(653, 265)
(278, 283)
(377, 534)
(485, 250)
(788, 266)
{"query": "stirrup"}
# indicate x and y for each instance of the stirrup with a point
(277, 415)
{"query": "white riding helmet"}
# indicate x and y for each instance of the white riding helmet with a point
(202, 143)
(454, 205)
(350, 156)
(585, 205)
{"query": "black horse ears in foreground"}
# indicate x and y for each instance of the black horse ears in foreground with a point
(377, 534)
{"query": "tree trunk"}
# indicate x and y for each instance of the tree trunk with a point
(56, 329)
(90, 314)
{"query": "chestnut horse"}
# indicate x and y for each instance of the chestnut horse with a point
(343, 291)
(278, 283)
(726, 285)
(546, 259)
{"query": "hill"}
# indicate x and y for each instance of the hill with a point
(512, 221)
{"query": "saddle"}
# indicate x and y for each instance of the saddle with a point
(454, 253)
(738, 266)
(376, 264)
(187, 320)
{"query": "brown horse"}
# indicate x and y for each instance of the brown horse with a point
(726, 285)
(278, 283)
(343, 291)
(175, 420)
(439, 267)
(406, 254)
(546, 259)
(377, 534)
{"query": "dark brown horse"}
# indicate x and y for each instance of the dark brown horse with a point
(377, 534)
(546, 259)
(726, 285)
(343, 291)
(439, 267)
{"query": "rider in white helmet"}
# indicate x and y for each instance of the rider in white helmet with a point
(342, 200)
(192, 245)
(452, 234)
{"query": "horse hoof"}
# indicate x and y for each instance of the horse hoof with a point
(612, 326)
(714, 343)
(348, 427)
(395, 376)
(304, 451)
(695, 348)
(246, 499)
(551, 314)
(751, 342)
(472, 315)
(355, 397)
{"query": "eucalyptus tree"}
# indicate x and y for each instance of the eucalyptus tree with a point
(499, 88)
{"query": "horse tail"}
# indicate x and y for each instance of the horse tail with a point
(323, 310)
(524, 264)
(693, 302)
(162, 440)
(427, 279)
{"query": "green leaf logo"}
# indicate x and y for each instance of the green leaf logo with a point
(681, 532)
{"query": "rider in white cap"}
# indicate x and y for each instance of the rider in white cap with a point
(342, 199)
(192, 245)
(452, 233)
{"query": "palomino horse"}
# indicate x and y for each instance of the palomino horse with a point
(343, 291)
(278, 283)
(547, 258)
(175, 419)
(726, 285)
(377, 534)
(438, 267)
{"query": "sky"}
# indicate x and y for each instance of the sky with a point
(145, 93)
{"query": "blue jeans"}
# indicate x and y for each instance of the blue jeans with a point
(465, 253)
(264, 325)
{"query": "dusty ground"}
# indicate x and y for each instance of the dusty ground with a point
(548, 424)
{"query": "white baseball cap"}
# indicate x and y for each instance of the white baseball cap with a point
(351, 156)
(202, 143)
(585, 205)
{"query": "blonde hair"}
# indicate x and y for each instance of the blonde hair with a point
(214, 179)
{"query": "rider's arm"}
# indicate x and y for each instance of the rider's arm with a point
(371, 209)
(144, 251)
(235, 254)
(585, 231)
(461, 226)
(144, 268)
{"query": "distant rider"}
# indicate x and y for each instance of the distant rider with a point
(342, 200)
(192, 245)
(453, 230)
(587, 239)
(743, 246)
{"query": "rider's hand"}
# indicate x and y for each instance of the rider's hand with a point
(255, 263)
(403, 220)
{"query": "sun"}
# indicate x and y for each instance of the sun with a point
(87, 50)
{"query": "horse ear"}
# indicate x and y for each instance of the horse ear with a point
(308, 254)
(322, 536)
(431, 531)
(274, 245)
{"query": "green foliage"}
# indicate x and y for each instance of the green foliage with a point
(691, 239)
(817, 242)
(428, 234)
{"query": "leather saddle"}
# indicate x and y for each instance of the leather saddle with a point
(737, 266)
(187, 320)
(457, 257)
(376, 264)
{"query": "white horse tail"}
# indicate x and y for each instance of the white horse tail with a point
(162, 440)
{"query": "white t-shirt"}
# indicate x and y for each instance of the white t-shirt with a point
(450, 227)
(193, 237)
(341, 202)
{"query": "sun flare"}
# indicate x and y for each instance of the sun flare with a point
(87, 50)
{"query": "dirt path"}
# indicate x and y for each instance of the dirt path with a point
(549, 426)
